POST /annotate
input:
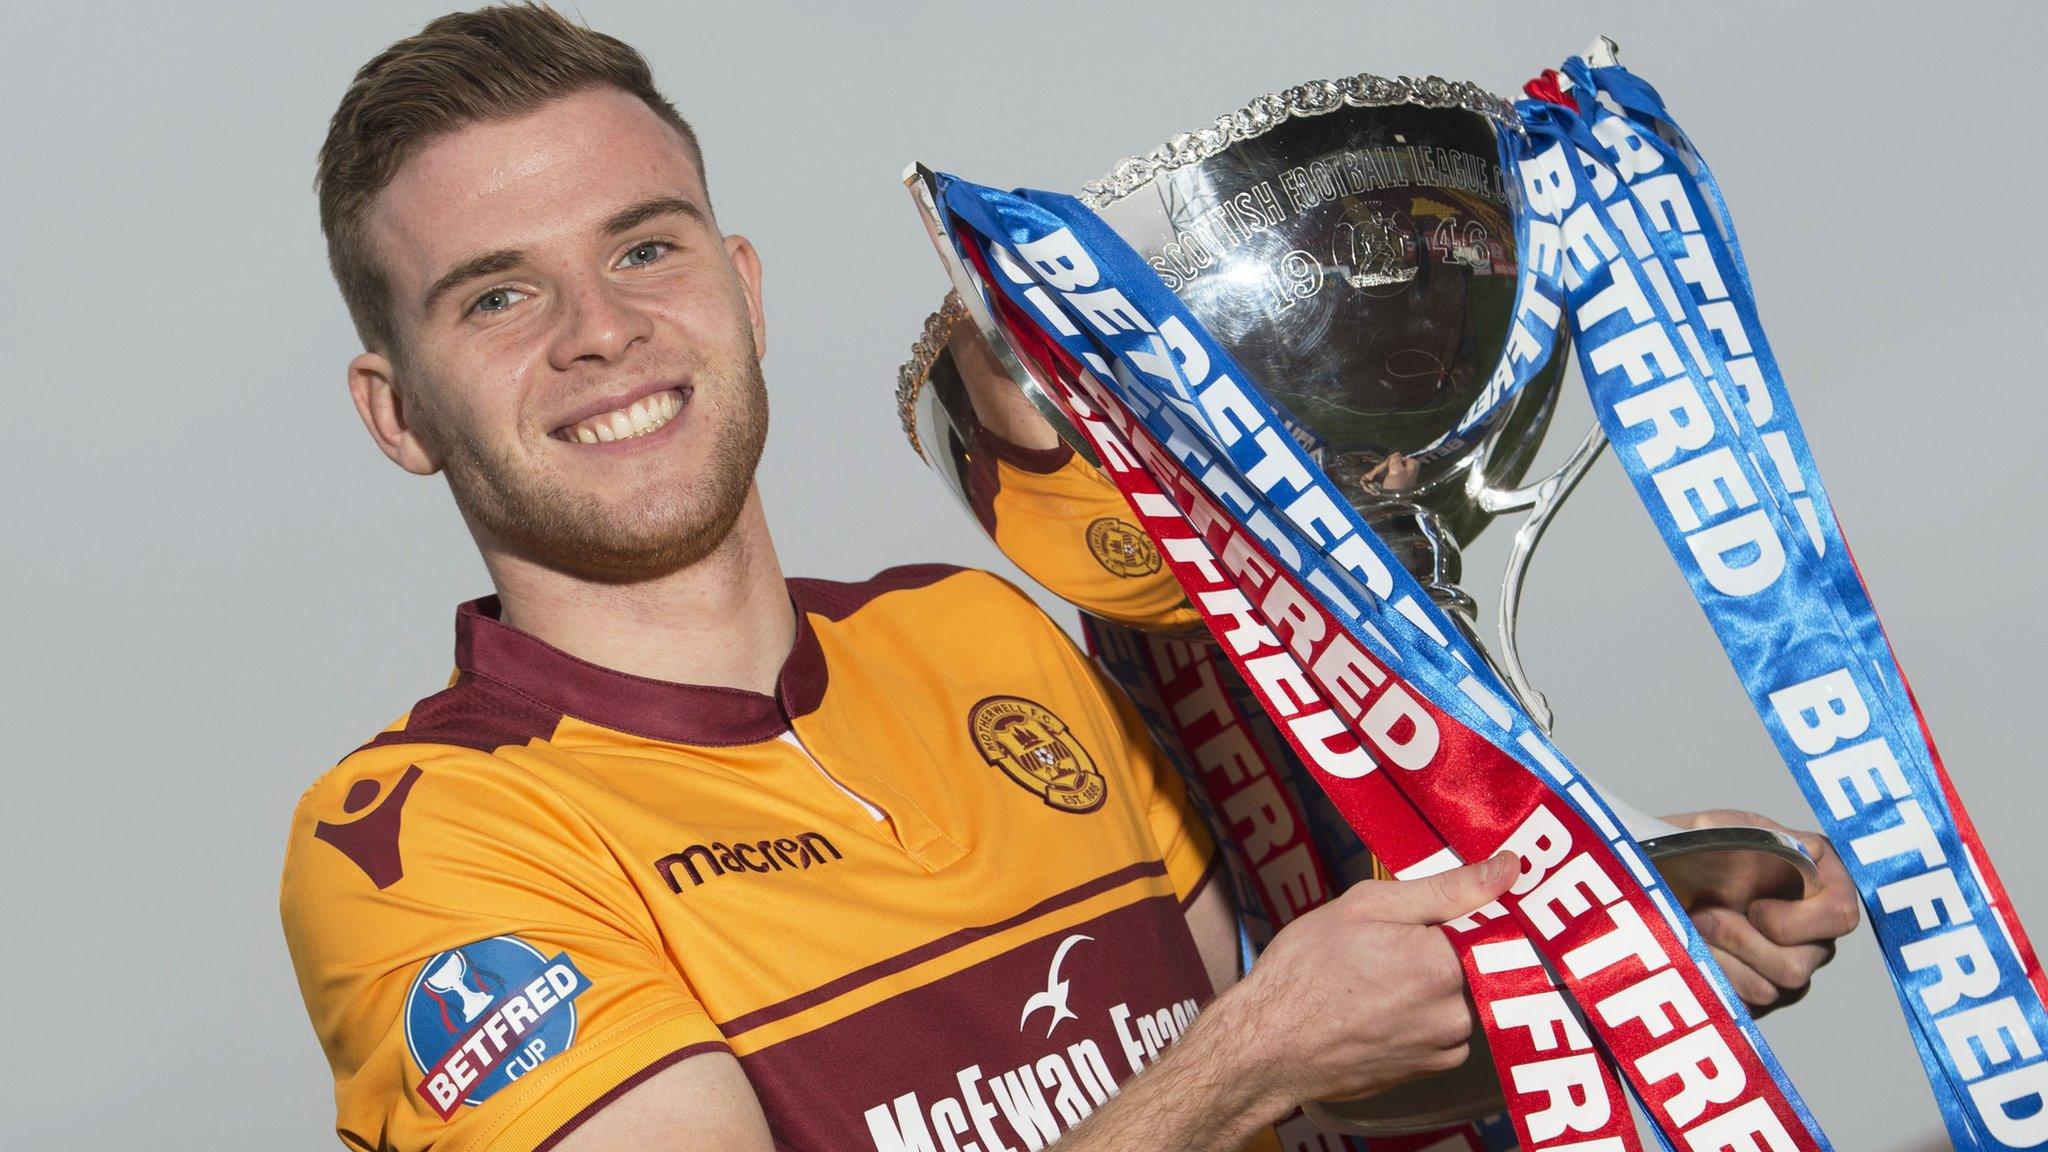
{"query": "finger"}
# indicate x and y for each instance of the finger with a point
(1830, 912)
(1458, 1023)
(1446, 895)
(1785, 967)
(1823, 917)
(1755, 991)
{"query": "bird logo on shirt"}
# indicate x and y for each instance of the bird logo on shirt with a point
(1056, 988)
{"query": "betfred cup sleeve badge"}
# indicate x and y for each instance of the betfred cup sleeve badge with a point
(1122, 548)
(1036, 749)
(483, 1015)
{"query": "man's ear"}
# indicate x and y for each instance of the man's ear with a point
(373, 383)
(747, 263)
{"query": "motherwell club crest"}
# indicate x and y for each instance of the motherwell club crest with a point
(1035, 748)
(1122, 548)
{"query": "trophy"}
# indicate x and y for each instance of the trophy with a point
(451, 977)
(1352, 244)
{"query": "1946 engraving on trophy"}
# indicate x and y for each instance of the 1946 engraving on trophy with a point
(1352, 244)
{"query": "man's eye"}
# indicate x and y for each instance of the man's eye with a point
(497, 300)
(645, 252)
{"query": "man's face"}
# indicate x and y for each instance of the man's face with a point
(577, 345)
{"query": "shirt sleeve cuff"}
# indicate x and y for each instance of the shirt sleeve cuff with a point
(612, 1066)
(1190, 858)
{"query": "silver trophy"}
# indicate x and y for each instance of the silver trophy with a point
(451, 978)
(1352, 244)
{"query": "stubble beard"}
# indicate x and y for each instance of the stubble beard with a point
(580, 534)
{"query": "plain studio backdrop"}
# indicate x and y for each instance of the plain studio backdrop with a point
(215, 587)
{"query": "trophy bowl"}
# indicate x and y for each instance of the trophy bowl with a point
(1352, 244)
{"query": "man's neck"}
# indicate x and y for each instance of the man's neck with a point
(724, 621)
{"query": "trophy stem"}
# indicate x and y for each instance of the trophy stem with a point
(1695, 861)
(1419, 538)
(1423, 543)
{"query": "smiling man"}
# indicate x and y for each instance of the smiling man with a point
(691, 855)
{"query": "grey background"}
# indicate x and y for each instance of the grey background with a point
(215, 587)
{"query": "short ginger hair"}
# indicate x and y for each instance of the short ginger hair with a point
(461, 69)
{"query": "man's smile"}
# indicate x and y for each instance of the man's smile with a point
(641, 416)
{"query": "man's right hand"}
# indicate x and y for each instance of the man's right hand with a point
(1353, 998)
(1362, 993)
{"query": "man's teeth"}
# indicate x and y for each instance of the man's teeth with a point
(638, 419)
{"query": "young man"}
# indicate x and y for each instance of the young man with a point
(689, 855)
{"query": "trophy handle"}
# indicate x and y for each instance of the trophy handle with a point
(1543, 498)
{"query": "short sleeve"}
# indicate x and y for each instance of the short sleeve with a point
(1183, 837)
(478, 969)
(1068, 526)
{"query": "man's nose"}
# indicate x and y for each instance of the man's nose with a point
(597, 323)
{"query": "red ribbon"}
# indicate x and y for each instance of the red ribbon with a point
(1659, 1016)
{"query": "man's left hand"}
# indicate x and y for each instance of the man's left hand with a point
(1770, 947)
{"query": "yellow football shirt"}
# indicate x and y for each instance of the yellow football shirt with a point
(1066, 525)
(930, 893)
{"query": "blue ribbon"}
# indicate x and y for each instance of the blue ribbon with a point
(1227, 434)
(1787, 605)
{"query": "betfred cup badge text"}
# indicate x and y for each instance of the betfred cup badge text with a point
(483, 1015)
(1034, 747)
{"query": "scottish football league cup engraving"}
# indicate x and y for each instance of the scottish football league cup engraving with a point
(1352, 244)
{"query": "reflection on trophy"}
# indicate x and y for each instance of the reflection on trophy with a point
(1352, 244)
(451, 976)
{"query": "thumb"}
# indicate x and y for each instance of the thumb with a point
(1447, 895)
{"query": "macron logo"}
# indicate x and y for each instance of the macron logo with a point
(1056, 988)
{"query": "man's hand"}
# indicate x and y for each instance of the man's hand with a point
(1771, 947)
(1365, 992)
(1397, 473)
(1354, 997)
